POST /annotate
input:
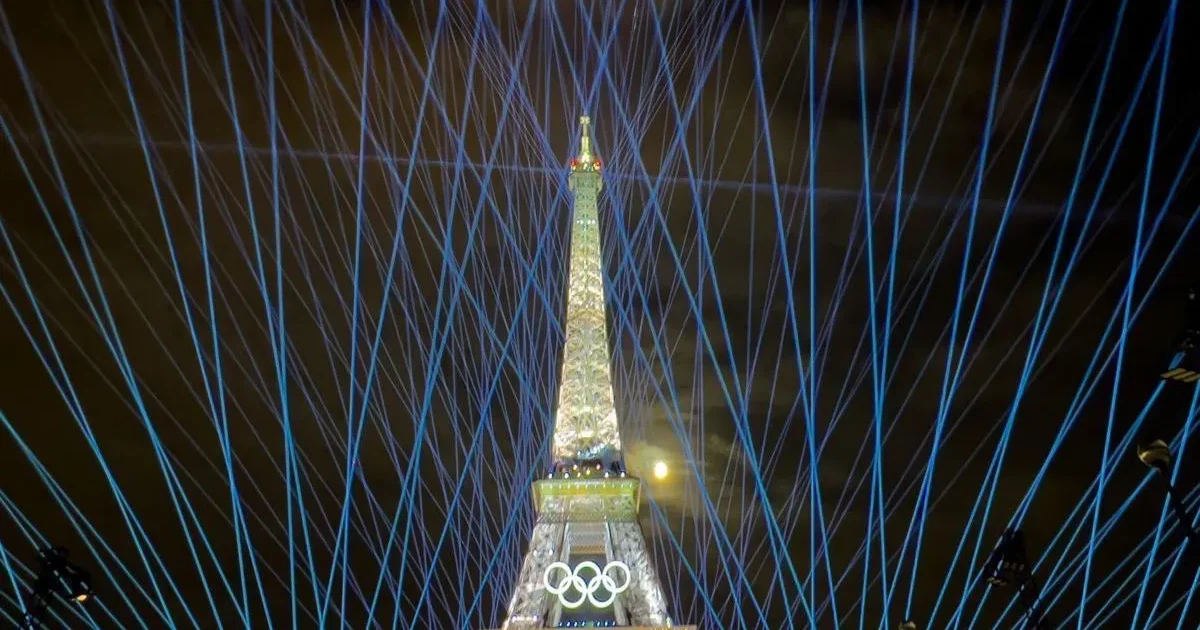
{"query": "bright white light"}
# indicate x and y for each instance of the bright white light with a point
(660, 470)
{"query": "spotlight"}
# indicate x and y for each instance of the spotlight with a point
(1156, 455)
(908, 625)
(57, 576)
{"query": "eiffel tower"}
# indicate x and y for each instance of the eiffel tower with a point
(587, 564)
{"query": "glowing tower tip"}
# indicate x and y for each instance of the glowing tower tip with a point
(586, 160)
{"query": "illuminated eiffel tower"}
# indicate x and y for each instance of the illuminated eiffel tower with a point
(587, 564)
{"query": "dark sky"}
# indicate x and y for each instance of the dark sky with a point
(708, 367)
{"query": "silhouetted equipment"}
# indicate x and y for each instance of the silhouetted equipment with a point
(57, 576)
(1185, 364)
(1153, 450)
(1157, 455)
(1009, 566)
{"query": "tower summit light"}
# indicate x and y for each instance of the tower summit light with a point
(587, 564)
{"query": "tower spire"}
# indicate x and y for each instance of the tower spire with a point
(586, 160)
(585, 139)
(587, 564)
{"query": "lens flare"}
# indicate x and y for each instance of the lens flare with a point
(660, 470)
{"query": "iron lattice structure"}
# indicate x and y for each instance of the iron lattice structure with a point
(585, 424)
(587, 508)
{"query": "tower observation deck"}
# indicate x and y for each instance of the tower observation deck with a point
(587, 564)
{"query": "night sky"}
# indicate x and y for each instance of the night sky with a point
(707, 365)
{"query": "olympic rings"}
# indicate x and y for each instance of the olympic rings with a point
(573, 579)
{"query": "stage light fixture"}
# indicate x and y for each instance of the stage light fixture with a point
(57, 576)
(1156, 455)
(1009, 566)
(1152, 449)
